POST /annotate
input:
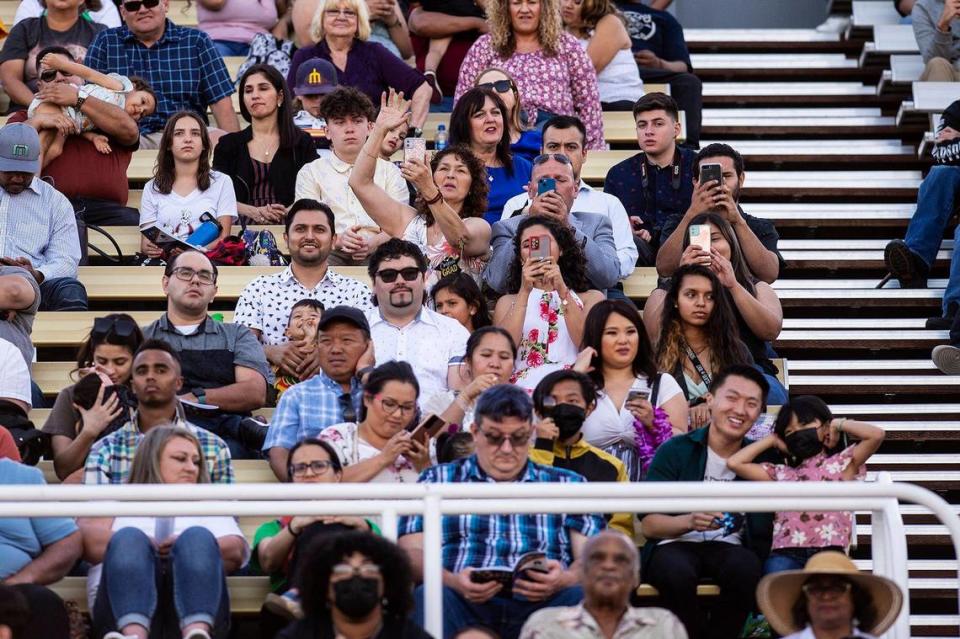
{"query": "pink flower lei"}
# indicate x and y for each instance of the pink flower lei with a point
(646, 442)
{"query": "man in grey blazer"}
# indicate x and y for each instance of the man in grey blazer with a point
(592, 230)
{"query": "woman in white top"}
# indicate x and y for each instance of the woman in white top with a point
(184, 186)
(142, 562)
(600, 29)
(379, 448)
(447, 223)
(105, 13)
(618, 356)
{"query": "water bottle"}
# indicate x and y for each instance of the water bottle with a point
(440, 143)
(216, 317)
(208, 231)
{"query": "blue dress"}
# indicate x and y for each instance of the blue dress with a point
(504, 186)
(528, 145)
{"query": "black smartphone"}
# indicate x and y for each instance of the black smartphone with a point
(710, 172)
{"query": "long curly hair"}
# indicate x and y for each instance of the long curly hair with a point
(475, 204)
(572, 262)
(740, 268)
(721, 327)
(467, 106)
(165, 171)
(504, 42)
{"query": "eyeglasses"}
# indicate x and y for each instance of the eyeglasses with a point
(389, 275)
(391, 406)
(500, 86)
(185, 274)
(346, 407)
(345, 571)
(134, 5)
(826, 588)
(51, 74)
(344, 13)
(557, 157)
(317, 467)
(119, 326)
(518, 439)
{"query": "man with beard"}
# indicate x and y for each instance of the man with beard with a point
(156, 378)
(757, 237)
(611, 572)
(404, 329)
(225, 373)
(265, 303)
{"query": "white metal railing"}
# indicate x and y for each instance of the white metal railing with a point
(435, 500)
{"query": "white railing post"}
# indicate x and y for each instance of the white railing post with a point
(388, 524)
(889, 551)
(432, 566)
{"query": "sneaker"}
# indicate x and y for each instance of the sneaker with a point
(431, 77)
(252, 433)
(947, 359)
(944, 323)
(286, 605)
(905, 265)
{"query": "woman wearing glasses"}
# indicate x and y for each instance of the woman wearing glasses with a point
(446, 224)
(524, 140)
(379, 448)
(479, 122)
(341, 30)
(107, 354)
(553, 73)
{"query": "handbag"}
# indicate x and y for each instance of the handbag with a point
(261, 248)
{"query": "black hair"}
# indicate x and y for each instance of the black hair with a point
(547, 384)
(347, 102)
(454, 446)
(657, 101)
(467, 106)
(864, 610)
(307, 302)
(306, 204)
(475, 204)
(563, 122)
(313, 441)
(477, 336)
(53, 49)
(392, 371)
(288, 130)
(391, 250)
(746, 372)
(806, 408)
(158, 345)
(326, 551)
(503, 400)
(741, 269)
(718, 150)
(172, 264)
(131, 342)
(464, 286)
(644, 362)
(14, 610)
(572, 262)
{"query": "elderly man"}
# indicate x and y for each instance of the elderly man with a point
(181, 65)
(611, 572)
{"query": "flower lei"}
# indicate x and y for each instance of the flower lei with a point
(646, 442)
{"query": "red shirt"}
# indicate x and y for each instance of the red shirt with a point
(82, 171)
(8, 447)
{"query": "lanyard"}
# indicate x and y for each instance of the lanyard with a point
(704, 375)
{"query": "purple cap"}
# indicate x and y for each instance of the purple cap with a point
(315, 76)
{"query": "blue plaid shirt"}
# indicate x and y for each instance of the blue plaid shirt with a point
(307, 408)
(182, 67)
(487, 541)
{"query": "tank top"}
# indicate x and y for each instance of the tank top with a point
(620, 79)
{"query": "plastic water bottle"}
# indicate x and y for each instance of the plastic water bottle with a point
(440, 143)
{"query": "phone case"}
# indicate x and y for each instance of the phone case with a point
(700, 236)
(414, 149)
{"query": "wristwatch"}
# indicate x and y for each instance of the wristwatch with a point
(414, 132)
(200, 394)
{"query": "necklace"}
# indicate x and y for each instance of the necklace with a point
(268, 151)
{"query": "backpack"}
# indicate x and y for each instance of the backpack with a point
(262, 249)
(265, 49)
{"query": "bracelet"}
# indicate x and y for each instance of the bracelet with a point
(434, 199)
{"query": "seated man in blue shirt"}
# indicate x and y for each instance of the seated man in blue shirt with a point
(503, 430)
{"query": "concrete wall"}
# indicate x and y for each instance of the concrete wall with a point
(704, 14)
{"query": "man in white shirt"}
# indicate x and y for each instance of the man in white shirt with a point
(566, 134)
(349, 115)
(402, 328)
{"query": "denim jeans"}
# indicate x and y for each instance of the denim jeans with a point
(505, 616)
(62, 294)
(935, 205)
(138, 586)
(791, 558)
(777, 396)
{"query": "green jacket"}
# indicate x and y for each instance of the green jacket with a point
(684, 458)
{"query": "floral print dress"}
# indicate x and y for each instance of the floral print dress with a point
(545, 345)
(443, 258)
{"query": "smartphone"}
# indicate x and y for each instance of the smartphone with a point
(700, 236)
(638, 394)
(540, 247)
(546, 184)
(414, 149)
(428, 428)
(710, 172)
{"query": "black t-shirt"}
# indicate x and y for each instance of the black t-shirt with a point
(657, 31)
(462, 8)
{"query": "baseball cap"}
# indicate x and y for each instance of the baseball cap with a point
(344, 314)
(316, 76)
(19, 148)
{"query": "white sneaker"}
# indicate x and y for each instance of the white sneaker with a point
(947, 359)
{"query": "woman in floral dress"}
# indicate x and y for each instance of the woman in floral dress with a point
(546, 313)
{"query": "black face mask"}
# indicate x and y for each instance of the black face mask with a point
(356, 597)
(804, 444)
(568, 418)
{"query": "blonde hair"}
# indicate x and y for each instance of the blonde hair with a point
(516, 123)
(146, 462)
(363, 18)
(504, 42)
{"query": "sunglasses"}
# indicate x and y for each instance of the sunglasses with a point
(546, 157)
(134, 5)
(119, 326)
(519, 439)
(389, 275)
(51, 74)
(500, 86)
(824, 589)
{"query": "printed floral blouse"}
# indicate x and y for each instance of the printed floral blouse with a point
(546, 345)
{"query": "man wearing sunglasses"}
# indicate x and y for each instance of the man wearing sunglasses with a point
(181, 64)
(594, 232)
(502, 430)
(404, 329)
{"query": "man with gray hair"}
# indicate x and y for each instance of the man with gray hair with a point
(611, 572)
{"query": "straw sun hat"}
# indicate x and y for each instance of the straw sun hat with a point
(779, 592)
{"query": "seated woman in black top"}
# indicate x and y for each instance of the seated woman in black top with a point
(263, 159)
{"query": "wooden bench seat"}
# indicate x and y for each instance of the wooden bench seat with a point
(888, 39)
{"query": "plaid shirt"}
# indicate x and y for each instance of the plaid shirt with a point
(487, 541)
(110, 458)
(307, 408)
(182, 67)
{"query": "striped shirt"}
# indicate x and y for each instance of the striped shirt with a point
(488, 541)
(183, 68)
(261, 192)
(111, 458)
(39, 224)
